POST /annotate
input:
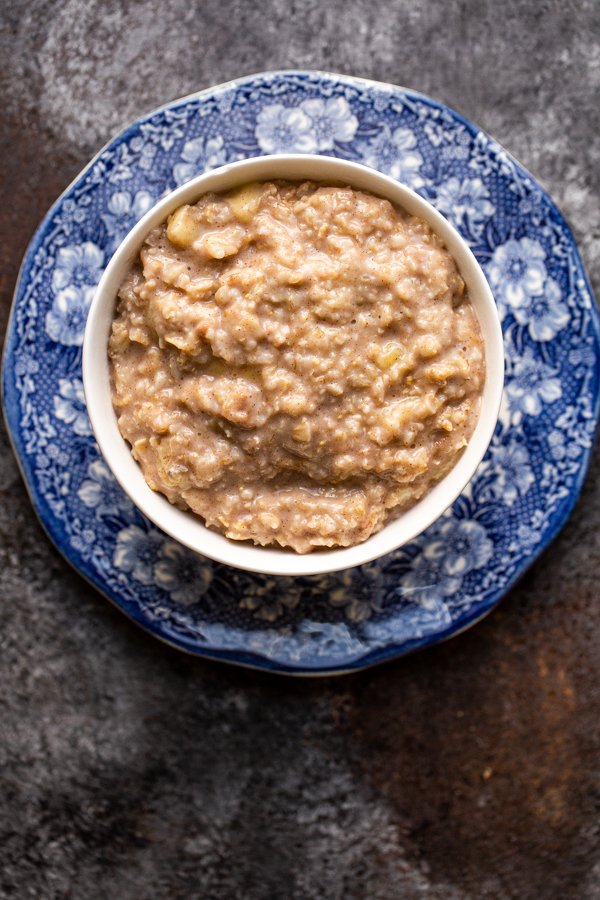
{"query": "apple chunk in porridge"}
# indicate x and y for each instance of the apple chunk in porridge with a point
(295, 363)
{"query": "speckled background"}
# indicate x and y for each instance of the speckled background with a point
(130, 771)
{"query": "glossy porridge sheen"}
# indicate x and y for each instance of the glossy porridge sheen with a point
(295, 363)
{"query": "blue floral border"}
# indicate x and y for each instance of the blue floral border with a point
(531, 477)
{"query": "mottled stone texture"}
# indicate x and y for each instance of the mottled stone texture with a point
(131, 771)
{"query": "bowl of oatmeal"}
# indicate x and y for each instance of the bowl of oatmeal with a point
(293, 364)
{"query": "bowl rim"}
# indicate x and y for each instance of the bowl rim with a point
(189, 529)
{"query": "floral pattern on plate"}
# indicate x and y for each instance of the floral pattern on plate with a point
(525, 487)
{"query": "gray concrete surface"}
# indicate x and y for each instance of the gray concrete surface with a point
(130, 771)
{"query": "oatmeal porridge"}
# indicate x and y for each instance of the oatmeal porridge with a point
(295, 363)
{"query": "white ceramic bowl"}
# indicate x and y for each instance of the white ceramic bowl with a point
(189, 529)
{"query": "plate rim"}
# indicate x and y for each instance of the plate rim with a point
(251, 659)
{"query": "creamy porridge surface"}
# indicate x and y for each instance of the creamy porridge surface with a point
(295, 363)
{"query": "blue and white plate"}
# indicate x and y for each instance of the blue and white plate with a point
(524, 489)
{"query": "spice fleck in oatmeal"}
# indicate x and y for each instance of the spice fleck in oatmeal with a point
(295, 363)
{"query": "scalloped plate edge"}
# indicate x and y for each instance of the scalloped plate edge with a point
(235, 657)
